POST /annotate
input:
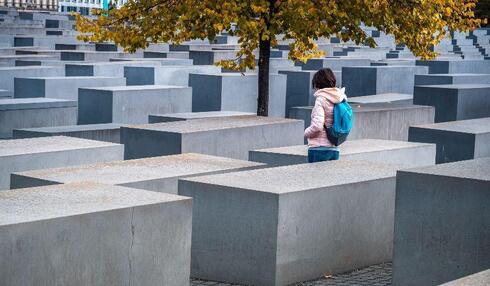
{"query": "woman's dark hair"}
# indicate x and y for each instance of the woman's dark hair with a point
(323, 78)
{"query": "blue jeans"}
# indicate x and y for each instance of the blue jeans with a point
(320, 154)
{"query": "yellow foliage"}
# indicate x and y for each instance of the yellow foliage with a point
(419, 24)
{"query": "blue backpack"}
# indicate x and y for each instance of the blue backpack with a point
(342, 123)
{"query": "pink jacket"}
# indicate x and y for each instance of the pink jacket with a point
(322, 114)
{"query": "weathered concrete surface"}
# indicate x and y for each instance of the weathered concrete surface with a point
(455, 102)
(85, 233)
(170, 117)
(159, 174)
(232, 137)
(60, 87)
(35, 112)
(360, 81)
(403, 153)
(114, 69)
(455, 140)
(108, 132)
(389, 120)
(442, 222)
(291, 224)
(19, 155)
(131, 104)
(235, 92)
(477, 279)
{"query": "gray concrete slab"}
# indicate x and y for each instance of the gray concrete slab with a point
(84, 232)
(60, 87)
(461, 78)
(334, 63)
(455, 102)
(455, 140)
(385, 151)
(35, 112)
(113, 69)
(170, 117)
(442, 222)
(360, 81)
(164, 75)
(130, 104)
(160, 61)
(478, 279)
(19, 155)
(456, 66)
(231, 137)
(299, 91)
(7, 75)
(108, 132)
(383, 98)
(236, 92)
(293, 223)
(388, 120)
(159, 174)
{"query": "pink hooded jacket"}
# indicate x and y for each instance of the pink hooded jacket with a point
(322, 115)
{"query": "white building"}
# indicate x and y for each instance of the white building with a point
(84, 6)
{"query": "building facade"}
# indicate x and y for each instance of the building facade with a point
(31, 4)
(85, 6)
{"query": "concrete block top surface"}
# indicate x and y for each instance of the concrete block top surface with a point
(49, 202)
(120, 172)
(471, 126)
(26, 68)
(478, 279)
(72, 128)
(47, 144)
(206, 114)
(457, 86)
(295, 178)
(71, 78)
(32, 103)
(209, 124)
(383, 106)
(136, 87)
(121, 63)
(350, 147)
(476, 169)
(382, 97)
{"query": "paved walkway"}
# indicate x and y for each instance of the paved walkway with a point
(376, 275)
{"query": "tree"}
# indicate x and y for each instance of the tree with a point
(419, 24)
(483, 9)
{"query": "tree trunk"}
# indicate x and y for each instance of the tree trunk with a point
(264, 59)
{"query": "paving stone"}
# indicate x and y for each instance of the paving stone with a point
(97, 226)
(384, 151)
(35, 112)
(228, 137)
(360, 81)
(60, 87)
(455, 140)
(158, 174)
(109, 132)
(235, 92)
(455, 102)
(442, 221)
(19, 155)
(265, 217)
(130, 104)
(170, 117)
